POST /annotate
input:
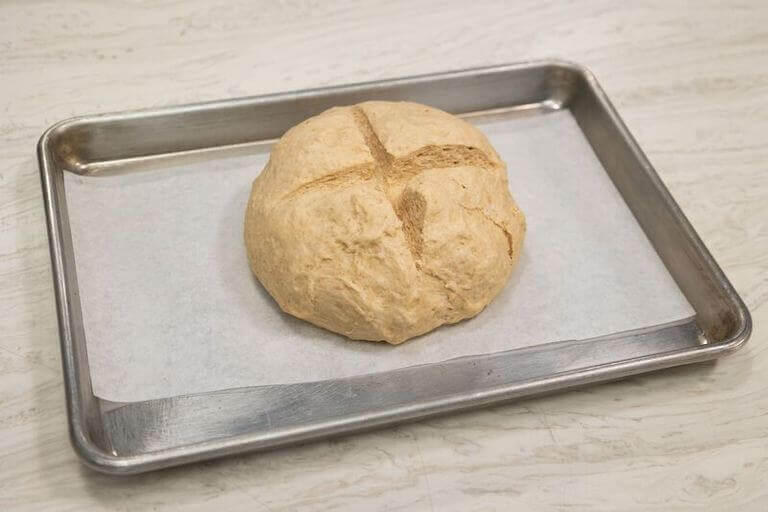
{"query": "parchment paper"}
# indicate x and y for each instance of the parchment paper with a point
(170, 306)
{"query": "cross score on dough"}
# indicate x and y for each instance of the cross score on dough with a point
(393, 173)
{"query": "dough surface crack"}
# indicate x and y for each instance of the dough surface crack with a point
(504, 230)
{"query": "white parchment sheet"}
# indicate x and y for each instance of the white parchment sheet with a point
(170, 306)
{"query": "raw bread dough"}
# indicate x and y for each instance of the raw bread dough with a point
(383, 221)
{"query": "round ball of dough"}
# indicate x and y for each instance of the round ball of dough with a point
(382, 221)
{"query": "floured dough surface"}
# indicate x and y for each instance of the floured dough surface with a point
(382, 221)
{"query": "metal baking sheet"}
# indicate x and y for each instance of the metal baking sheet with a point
(189, 358)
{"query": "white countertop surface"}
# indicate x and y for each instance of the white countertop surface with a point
(691, 82)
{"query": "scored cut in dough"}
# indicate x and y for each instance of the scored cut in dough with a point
(382, 221)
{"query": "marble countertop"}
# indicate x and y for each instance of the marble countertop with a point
(691, 82)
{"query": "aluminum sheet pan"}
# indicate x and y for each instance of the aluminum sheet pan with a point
(190, 358)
